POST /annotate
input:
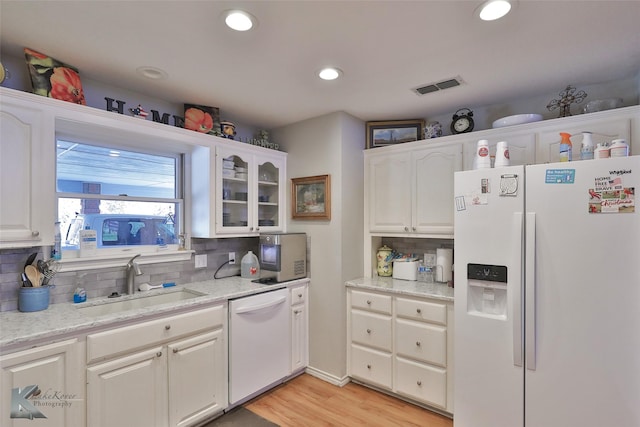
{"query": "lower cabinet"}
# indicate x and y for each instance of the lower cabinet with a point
(403, 345)
(299, 328)
(174, 375)
(43, 385)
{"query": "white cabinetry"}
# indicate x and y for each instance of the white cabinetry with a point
(50, 379)
(411, 191)
(27, 177)
(299, 328)
(402, 344)
(164, 372)
(242, 199)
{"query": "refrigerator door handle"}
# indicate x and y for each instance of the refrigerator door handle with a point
(517, 233)
(530, 291)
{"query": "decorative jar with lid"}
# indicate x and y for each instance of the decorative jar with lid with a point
(385, 265)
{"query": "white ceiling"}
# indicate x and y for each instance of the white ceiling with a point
(267, 76)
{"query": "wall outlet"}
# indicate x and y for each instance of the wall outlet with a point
(232, 258)
(201, 261)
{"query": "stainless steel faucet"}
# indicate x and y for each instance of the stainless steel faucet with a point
(132, 270)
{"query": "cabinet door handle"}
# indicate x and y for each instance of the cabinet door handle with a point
(299, 295)
(413, 228)
(368, 331)
(368, 366)
(296, 311)
(35, 233)
(167, 327)
(406, 228)
(418, 311)
(159, 354)
(419, 383)
(368, 302)
(418, 343)
(175, 350)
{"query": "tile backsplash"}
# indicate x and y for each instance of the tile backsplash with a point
(102, 282)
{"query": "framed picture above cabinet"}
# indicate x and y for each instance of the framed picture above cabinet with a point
(380, 134)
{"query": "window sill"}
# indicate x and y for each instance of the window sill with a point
(120, 260)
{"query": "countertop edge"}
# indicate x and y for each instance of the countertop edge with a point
(438, 291)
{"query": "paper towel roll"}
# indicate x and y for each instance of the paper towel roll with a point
(444, 262)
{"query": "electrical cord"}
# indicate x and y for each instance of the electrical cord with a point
(222, 265)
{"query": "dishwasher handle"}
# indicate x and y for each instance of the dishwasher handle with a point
(248, 309)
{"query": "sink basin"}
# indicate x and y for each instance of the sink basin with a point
(117, 306)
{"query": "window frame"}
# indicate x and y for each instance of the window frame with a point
(129, 141)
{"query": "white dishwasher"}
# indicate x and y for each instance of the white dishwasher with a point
(259, 343)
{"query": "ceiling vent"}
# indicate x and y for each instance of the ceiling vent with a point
(434, 87)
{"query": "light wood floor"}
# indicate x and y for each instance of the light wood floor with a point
(310, 402)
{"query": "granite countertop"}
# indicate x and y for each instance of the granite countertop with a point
(438, 291)
(18, 329)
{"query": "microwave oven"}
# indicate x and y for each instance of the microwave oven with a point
(283, 256)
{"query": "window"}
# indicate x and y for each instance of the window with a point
(132, 199)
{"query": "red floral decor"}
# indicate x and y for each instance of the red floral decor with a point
(53, 78)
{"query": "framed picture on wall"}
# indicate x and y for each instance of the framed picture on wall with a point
(311, 197)
(380, 134)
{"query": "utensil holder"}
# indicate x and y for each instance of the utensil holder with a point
(33, 299)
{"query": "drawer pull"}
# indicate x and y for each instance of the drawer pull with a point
(368, 302)
(299, 295)
(418, 343)
(419, 383)
(418, 311)
(296, 311)
(159, 354)
(35, 233)
(368, 366)
(368, 331)
(167, 327)
(175, 350)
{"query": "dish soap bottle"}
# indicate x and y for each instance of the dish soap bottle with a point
(249, 266)
(586, 152)
(565, 147)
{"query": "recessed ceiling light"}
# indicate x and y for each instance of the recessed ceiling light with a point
(152, 73)
(239, 20)
(329, 73)
(494, 9)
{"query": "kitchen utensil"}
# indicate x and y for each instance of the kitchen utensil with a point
(148, 287)
(33, 275)
(48, 270)
(26, 283)
(31, 258)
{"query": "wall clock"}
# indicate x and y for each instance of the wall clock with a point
(462, 121)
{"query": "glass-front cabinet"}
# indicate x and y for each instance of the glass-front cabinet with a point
(250, 191)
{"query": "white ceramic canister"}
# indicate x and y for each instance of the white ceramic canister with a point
(601, 151)
(483, 160)
(502, 154)
(618, 148)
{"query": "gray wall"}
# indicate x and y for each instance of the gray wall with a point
(331, 144)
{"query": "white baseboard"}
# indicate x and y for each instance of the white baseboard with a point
(325, 376)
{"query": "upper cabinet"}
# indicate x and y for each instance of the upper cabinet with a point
(27, 176)
(237, 191)
(411, 192)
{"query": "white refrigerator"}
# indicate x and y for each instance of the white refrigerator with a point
(547, 295)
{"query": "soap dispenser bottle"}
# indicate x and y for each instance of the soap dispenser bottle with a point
(586, 151)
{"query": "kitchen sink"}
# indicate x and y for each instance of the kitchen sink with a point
(117, 306)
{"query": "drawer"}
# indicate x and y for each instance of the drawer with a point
(421, 341)
(298, 295)
(128, 338)
(371, 302)
(422, 310)
(424, 383)
(371, 366)
(371, 329)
